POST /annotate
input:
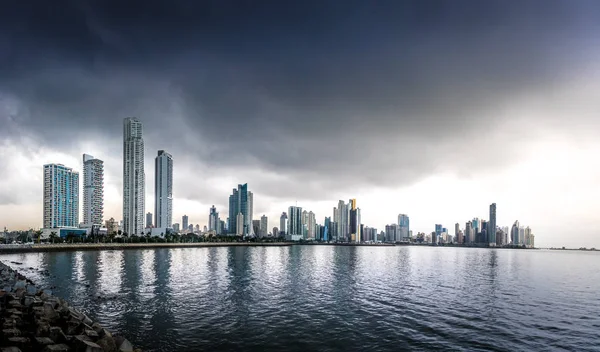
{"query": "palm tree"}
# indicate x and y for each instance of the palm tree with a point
(125, 235)
(53, 236)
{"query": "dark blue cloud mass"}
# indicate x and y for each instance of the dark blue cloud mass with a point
(307, 89)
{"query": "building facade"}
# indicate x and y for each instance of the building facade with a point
(134, 177)
(163, 190)
(149, 220)
(184, 223)
(61, 196)
(241, 201)
(491, 231)
(283, 224)
(93, 191)
(404, 224)
(295, 223)
(264, 223)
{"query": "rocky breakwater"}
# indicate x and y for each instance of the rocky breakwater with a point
(33, 319)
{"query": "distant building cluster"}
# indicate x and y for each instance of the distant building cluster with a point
(61, 210)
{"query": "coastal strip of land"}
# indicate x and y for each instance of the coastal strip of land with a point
(64, 247)
(35, 320)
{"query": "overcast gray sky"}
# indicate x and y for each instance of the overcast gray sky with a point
(430, 108)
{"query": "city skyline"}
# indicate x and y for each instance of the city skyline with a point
(435, 114)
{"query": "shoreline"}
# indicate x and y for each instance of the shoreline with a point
(64, 247)
(69, 247)
(35, 320)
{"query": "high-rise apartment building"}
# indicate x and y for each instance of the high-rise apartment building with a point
(295, 223)
(283, 224)
(213, 220)
(354, 221)
(134, 177)
(469, 232)
(404, 223)
(241, 201)
(239, 224)
(163, 190)
(184, 223)
(149, 219)
(93, 191)
(61, 196)
(491, 232)
(311, 226)
(514, 233)
(342, 221)
(263, 226)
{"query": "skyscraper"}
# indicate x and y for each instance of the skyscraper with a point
(239, 226)
(283, 224)
(295, 223)
(311, 225)
(491, 232)
(263, 226)
(93, 191)
(148, 219)
(514, 233)
(133, 177)
(404, 223)
(342, 221)
(163, 190)
(241, 201)
(61, 196)
(354, 221)
(184, 223)
(213, 220)
(438, 231)
(456, 229)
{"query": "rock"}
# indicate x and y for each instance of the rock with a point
(31, 290)
(50, 313)
(57, 348)
(73, 327)
(10, 349)
(21, 342)
(15, 304)
(28, 301)
(97, 327)
(44, 341)
(20, 292)
(11, 332)
(57, 335)
(9, 324)
(107, 343)
(43, 329)
(91, 333)
(90, 346)
(126, 346)
(87, 320)
(20, 284)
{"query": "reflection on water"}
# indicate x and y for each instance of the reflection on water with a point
(303, 298)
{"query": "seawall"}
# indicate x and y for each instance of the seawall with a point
(35, 320)
(63, 247)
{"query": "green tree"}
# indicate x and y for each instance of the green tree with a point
(53, 236)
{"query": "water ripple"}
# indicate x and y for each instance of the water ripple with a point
(326, 298)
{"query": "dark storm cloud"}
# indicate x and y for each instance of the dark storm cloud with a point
(336, 94)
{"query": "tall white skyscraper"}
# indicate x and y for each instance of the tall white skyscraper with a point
(343, 212)
(163, 188)
(61, 196)
(93, 191)
(133, 177)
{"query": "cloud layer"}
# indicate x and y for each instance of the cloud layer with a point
(308, 102)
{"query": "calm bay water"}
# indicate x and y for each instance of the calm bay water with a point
(326, 298)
